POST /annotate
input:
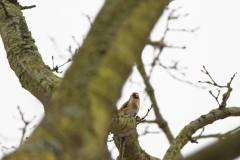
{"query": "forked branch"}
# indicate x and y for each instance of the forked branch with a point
(226, 95)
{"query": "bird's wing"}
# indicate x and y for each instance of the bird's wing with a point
(124, 105)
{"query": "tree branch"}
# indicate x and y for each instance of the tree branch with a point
(23, 56)
(227, 148)
(150, 91)
(77, 123)
(126, 127)
(218, 136)
(185, 135)
(226, 95)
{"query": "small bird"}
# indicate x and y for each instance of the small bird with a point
(131, 107)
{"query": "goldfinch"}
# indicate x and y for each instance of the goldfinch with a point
(131, 107)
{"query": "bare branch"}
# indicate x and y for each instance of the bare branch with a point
(219, 136)
(184, 81)
(150, 121)
(184, 30)
(88, 18)
(162, 44)
(185, 135)
(150, 91)
(216, 97)
(28, 7)
(55, 69)
(5, 149)
(226, 95)
(175, 47)
(213, 82)
(77, 49)
(26, 123)
(143, 118)
(194, 140)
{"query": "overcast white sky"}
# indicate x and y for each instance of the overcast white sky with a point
(215, 45)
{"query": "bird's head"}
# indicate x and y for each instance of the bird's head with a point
(135, 95)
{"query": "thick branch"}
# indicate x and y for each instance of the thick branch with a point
(126, 127)
(77, 124)
(23, 56)
(186, 133)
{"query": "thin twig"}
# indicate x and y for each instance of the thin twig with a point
(154, 63)
(213, 82)
(28, 7)
(184, 30)
(194, 140)
(5, 149)
(88, 18)
(139, 120)
(175, 47)
(184, 81)
(150, 121)
(219, 136)
(231, 79)
(226, 95)
(216, 97)
(56, 68)
(26, 123)
(147, 112)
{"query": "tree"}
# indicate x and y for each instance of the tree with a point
(77, 128)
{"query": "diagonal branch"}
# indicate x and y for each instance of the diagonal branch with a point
(150, 91)
(23, 55)
(185, 135)
(77, 124)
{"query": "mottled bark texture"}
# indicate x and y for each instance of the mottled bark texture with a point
(126, 127)
(76, 124)
(186, 133)
(23, 55)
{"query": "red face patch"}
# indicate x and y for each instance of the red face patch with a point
(135, 95)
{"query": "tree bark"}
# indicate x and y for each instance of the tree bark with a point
(186, 133)
(77, 121)
(125, 127)
(23, 55)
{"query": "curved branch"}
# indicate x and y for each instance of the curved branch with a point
(77, 124)
(23, 55)
(186, 133)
